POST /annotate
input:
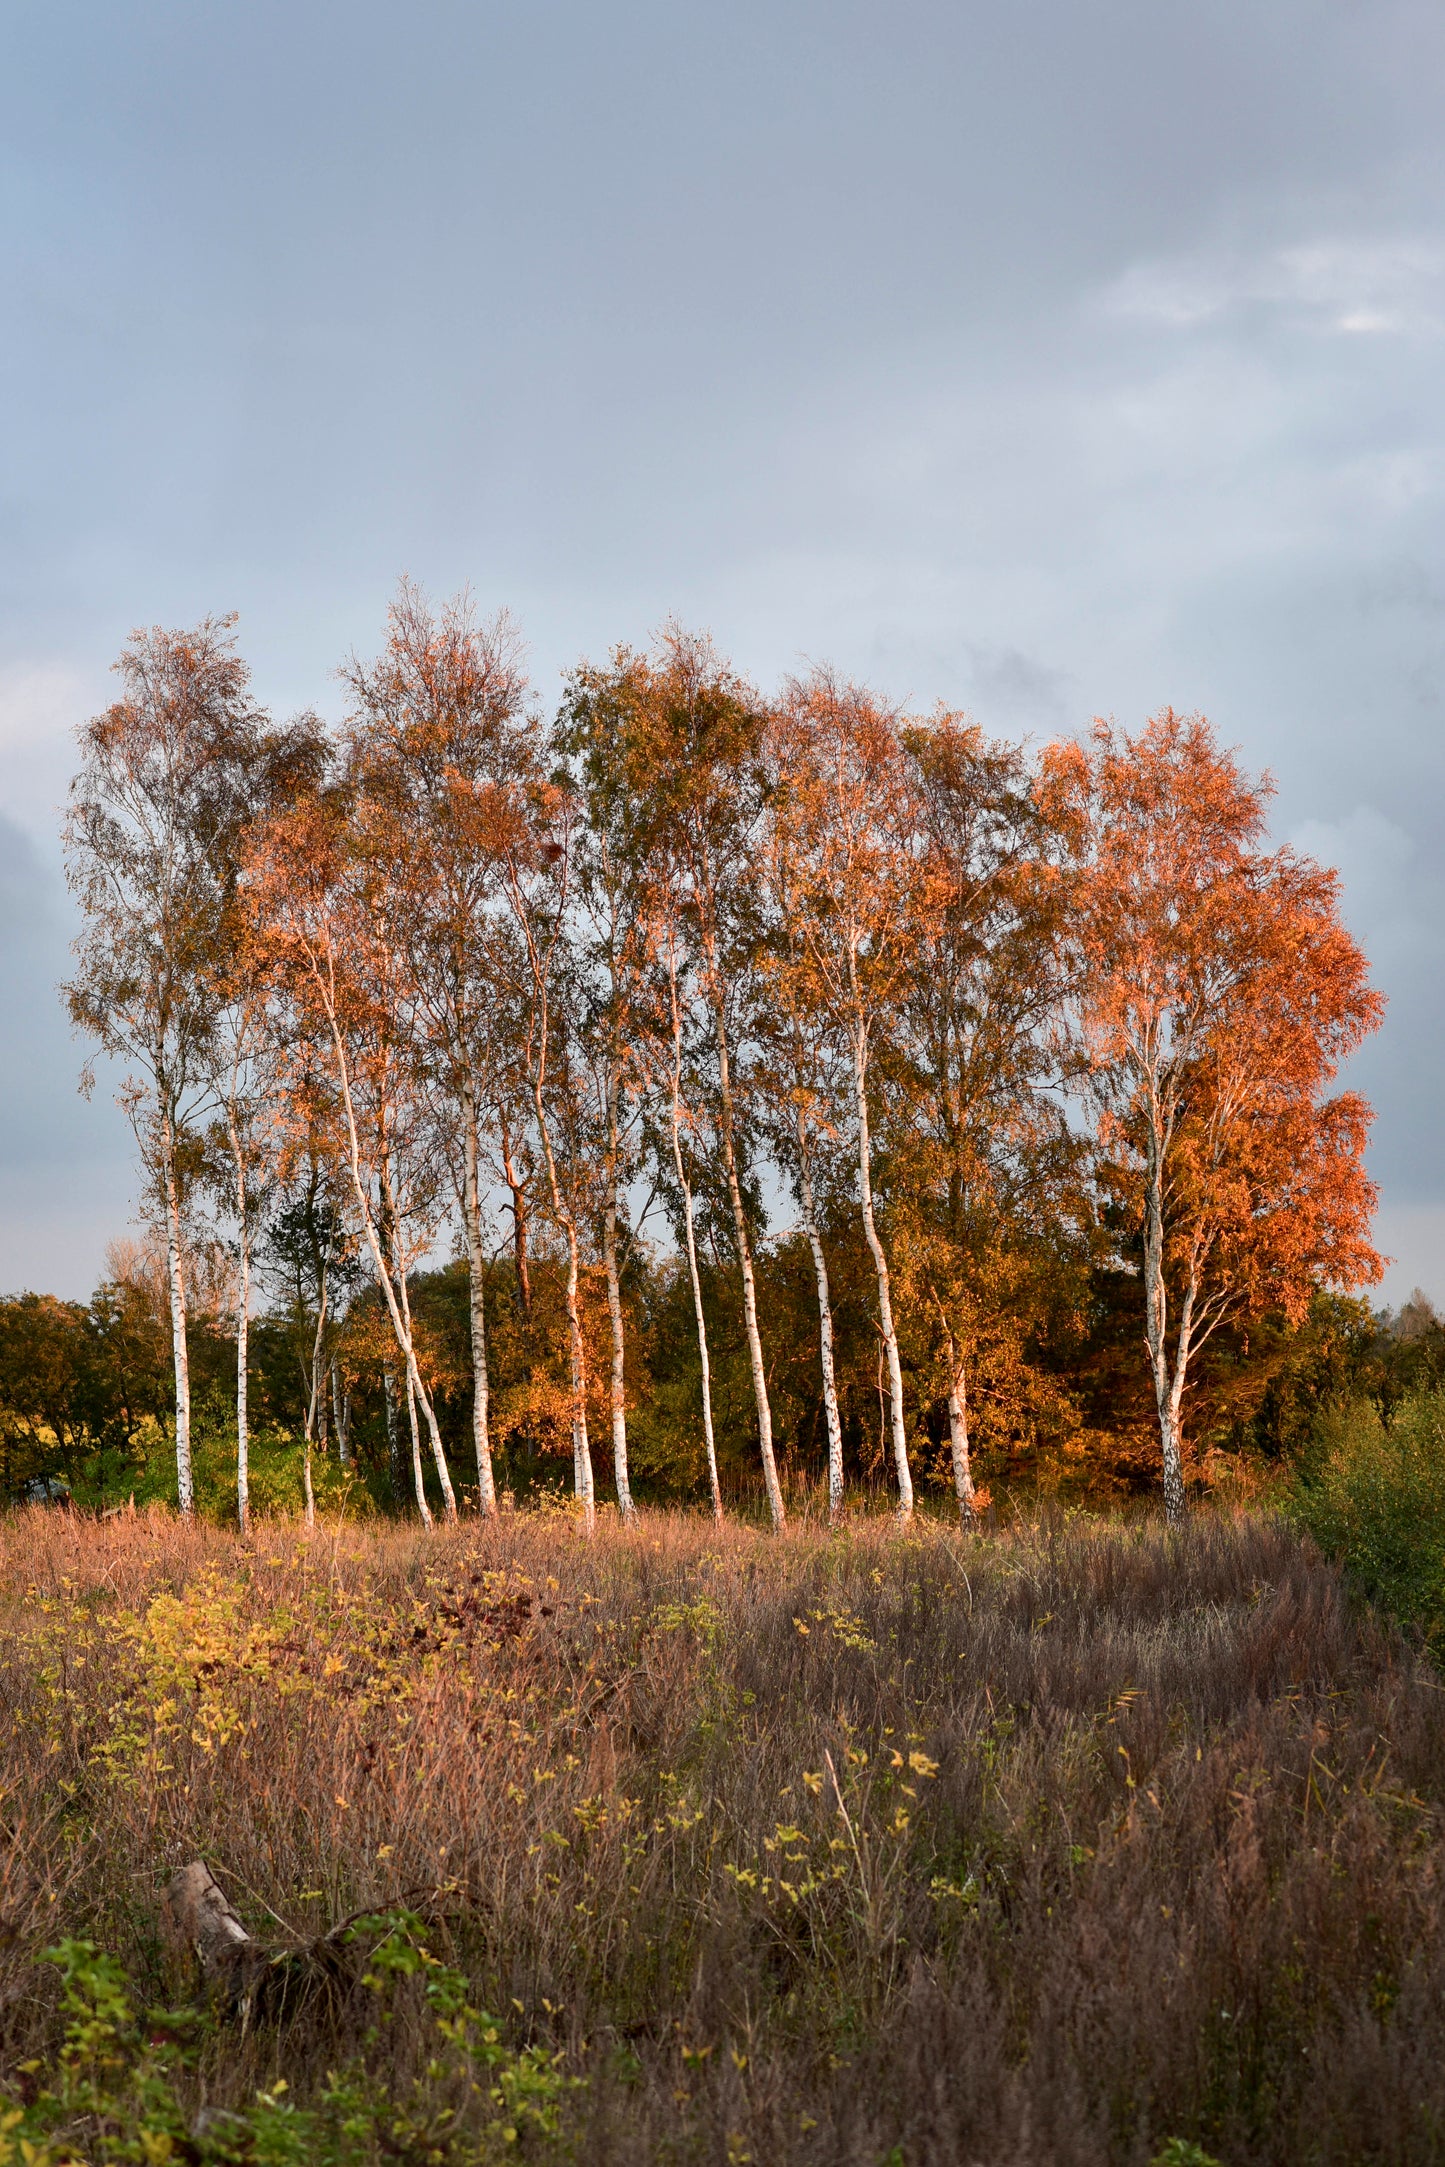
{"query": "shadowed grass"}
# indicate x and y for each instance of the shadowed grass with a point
(1052, 1847)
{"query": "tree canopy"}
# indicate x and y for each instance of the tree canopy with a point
(812, 1090)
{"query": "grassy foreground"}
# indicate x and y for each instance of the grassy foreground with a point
(1088, 1843)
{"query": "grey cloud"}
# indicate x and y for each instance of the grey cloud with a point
(65, 1178)
(1360, 286)
(1043, 361)
(1013, 691)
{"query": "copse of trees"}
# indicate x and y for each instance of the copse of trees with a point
(796, 1045)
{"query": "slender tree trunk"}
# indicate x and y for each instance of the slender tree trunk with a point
(423, 1399)
(582, 1477)
(880, 1266)
(689, 1230)
(315, 1405)
(243, 1364)
(185, 1483)
(614, 1312)
(538, 1053)
(825, 1322)
(1168, 1382)
(417, 1473)
(619, 1356)
(745, 1254)
(695, 1276)
(341, 1415)
(390, 1397)
(958, 1429)
(400, 1310)
(519, 1222)
(476, 1292)
(438, 1450)
(880, 1388)
(243, 1331)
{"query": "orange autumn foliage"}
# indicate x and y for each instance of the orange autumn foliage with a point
(1216, 994)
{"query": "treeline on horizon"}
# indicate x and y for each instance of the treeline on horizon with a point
(87, 1393)
(818, 1096)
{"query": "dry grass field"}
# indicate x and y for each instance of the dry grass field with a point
(1083, 1843)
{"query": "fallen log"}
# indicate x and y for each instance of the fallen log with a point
(256, 1979)
(198, 1915)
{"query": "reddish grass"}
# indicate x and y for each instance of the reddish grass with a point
(1167, 1864)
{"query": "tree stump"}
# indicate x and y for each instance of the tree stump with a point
(197, 1915)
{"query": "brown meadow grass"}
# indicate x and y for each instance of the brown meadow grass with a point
(1054, 1846)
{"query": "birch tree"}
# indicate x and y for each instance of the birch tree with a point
(697, 750)
(248, 1057)
(611, 953)
(676, 742)
(151, 838)
(246, 1077)
(318, 901)
(442, 753)
(1217, 994)
(995, 1188)
(857, 897)
(681, 1126)
(804, 1089)
(539, 861)
(615, 929)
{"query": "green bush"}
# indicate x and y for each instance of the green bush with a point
(1372, 1494)
(125, 2080)
(148, 1474)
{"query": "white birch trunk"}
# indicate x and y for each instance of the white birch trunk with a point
(583, 1484)
(476, 1290)
(399, 1311)
(825, 1322)
(519, 1224)
(690, 1233)
(417, 1474)
(243, 1331)
(423, 1399)
(880, 1266)
(180, 1353)
(958, 1433)
(389, 1397)
(1168, 1378)
(341, 1416)
(582, 1478)
(745, 1256)
(614, 1312)
(315, 1405)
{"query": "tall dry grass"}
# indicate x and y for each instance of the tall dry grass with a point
(1053, 1847)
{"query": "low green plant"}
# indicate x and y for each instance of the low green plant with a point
(117, 2091)
(1371, 1492)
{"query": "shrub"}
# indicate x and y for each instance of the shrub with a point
(120, 2079)
(1372, 1494)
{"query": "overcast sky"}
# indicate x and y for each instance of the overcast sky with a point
(1049, 359)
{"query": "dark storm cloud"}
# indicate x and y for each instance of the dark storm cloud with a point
(1046, 360)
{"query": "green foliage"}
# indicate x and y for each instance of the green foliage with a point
(1371, 1492)
(86, 1391)
(114, 2077)
(121, 2082)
